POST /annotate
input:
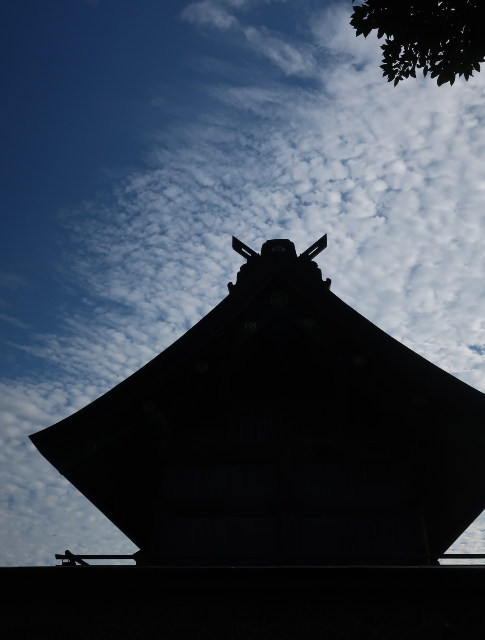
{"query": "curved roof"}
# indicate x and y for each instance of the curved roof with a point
(343, 393)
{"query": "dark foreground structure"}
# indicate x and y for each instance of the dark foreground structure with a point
(286, 469)
(361, 603)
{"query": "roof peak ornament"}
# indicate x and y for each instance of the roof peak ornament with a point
(279, 246)
(278, 253)
(316, 248)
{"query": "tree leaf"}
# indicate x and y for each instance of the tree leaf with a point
(444, 38)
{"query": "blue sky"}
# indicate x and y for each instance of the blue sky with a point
(138, 137)
(79, 78)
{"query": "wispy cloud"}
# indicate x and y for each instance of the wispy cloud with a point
(10, 280)
(289, 57)
(293, 58)
(5, 317)
(214, 13)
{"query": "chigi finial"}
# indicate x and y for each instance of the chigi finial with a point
(279, 246)
(316, 248)
(278, 252)
(243, 249)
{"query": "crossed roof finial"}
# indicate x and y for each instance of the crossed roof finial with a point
(310, 253)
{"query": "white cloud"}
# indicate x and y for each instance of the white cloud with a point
(291, 59)
(334, 36)
(393, 175)
(5, 317)
(214, 13)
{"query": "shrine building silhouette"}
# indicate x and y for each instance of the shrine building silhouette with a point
(282, 430)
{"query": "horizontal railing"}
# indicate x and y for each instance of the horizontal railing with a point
(71, 559)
